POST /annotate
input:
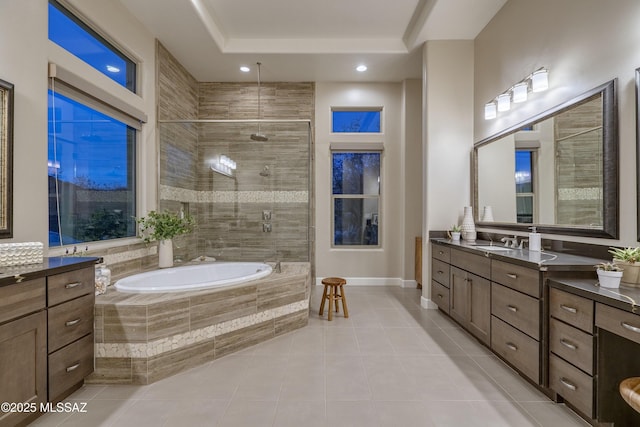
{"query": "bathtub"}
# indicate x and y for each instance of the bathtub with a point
(193, 277)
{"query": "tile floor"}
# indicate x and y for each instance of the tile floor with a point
(391, 363)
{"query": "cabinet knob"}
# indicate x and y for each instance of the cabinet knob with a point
(569, 309)
(512, 276)
(512, 346)
(73, 367)
(512, 308)
(72, 322)
(630, 327)
(568, 384)
(72, 285)
(568, 344)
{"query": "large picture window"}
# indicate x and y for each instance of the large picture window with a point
(69, 32)
(356, 198)
(91, 174)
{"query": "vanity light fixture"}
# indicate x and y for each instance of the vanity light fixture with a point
(490, 110)
(520, 91)
(223, 165)
(245, 69)
(537, 81)
(361, 68)
(504, 101)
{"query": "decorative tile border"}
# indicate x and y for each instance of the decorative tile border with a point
(594, 193)
(163, 345)
(193, 196)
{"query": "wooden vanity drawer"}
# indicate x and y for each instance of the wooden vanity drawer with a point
(70, 365)
(22, 298)
(479, 265)
(440, 272)
(70, 321)
(517, 309)
(517, 348)
(443, 253)
(523, 279)
(572, 384)
(618, 321)
(572, 344)
(571, 309)
(66, 286)
(440, 295)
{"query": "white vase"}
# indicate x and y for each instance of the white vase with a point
(609, 279)
(468, 225)
(487, 214)
(165, 253)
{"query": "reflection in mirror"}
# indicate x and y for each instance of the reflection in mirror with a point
(558, 171)
(6, 158)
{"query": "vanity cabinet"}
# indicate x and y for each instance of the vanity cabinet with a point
(46, 334)
(470, 293)
(440, 275)
(23, 348)
(516, 308)
(571, 349)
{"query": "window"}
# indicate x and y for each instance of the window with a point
(525, 200)
(356, 121)
(67, 31)
(356, 198)
(91, 174)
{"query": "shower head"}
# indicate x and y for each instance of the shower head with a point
(259, 136)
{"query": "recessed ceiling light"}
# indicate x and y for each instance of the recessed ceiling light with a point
(361, 68)
(113, 69)
(245, 69)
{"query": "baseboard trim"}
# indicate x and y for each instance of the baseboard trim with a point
(428, 304)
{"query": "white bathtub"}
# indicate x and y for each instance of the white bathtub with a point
(193, 277)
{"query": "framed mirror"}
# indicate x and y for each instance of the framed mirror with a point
(6, 159)
(557, 171)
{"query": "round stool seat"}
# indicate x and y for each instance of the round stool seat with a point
(334, 292)
(630, 392)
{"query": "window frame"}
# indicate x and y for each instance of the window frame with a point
(534, 185)
(378, 197)
(359, 109)
(131, 74)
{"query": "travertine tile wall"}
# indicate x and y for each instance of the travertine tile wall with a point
(229, 211)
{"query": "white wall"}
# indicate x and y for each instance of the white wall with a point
(385, 265)
(583, 43)
(25, 52)
(447, 139)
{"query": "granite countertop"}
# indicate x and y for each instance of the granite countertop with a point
(544, 260)
(51, 265)
(624, 298)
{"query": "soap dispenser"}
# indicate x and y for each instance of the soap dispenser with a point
(535, 240)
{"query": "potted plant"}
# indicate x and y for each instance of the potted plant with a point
(629, 260)
(162, 227)
(609, 274)
(454, 233)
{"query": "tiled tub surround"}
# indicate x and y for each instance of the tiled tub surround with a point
(141, 338)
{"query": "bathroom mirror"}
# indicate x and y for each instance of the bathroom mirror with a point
(557, 171)
(6, 159)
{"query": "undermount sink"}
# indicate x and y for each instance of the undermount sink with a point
(492, 248)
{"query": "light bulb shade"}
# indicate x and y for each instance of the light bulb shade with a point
(504, 102)
(540, 80)
(490, 111)
(520, 92)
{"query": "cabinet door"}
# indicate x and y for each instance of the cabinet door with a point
(458, 297)
(23, 364)
(479, 290)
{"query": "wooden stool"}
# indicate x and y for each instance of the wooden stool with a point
(336, 293)
(630, 392)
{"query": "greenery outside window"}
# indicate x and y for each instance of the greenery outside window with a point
(91, 168)
(356, 199)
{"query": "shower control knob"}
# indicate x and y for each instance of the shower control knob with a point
(266, 227)
(266, 215)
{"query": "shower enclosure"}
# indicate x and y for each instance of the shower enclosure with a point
(251, 200)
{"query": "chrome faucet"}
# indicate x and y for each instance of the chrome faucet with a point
(277, 267)
(510, 242)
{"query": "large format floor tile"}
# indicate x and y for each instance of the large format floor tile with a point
(391, 363)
